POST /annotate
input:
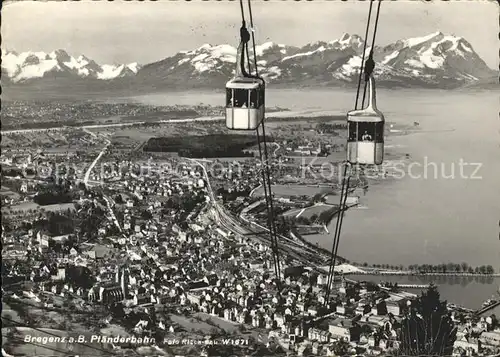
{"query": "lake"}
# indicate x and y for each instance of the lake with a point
(445, 206)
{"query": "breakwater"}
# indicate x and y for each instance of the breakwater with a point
(412, 273)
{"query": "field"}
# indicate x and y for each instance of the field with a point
(191, 324)
(308, 212)
(206, 146)
(26, 206)
(293, 190)
(134, 137)
(5, 191)
(233, 327)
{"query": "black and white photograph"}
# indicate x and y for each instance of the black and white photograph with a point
(250, 178)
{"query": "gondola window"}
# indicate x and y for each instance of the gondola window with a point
(353, 131)
(370, 132)
(240, 98)
(229, 97)
(254, 99)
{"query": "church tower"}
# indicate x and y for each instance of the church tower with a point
(124, 280)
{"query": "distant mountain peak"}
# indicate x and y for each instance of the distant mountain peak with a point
(434, 60)
(345, 37)
(26, 66)
(59, 52)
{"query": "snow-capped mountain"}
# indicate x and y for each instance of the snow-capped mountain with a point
(210, 65)
(27, 66)
(435, 60)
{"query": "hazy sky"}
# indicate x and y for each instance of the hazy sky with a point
(117, 32)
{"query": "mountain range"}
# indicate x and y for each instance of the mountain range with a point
(435, 60)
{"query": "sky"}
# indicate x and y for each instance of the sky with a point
(144, 32)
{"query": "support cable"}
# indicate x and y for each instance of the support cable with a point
(271, 213)
(370, 63)
(263, 152)
(267, 203)
(253, 38)
(366, 71)
(340, 215)
(363, 55)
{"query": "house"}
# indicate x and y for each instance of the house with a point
(97, 252)
(304, 349)
(194, 299)
(330, 350)
(491, 338)
(467, 344)
(395, 305)
(279, 319)
(318, 349)
(313, 310)
(383, 344)
(362, 309)
(380, 308)
(229, 315)
(211, 279)
(142, 299)
(242, 316)
(345, 310)
(319, 335)
(198, 285)
(60, 274)
(258, 320)
(106, 293)
(342, 328)
(269, 322)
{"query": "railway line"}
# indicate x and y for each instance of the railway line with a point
(307, 256)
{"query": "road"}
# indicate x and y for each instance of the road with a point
(275, 152)
(109, 201)
(92, 165)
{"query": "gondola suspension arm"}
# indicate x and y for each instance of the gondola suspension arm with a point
(370, 63)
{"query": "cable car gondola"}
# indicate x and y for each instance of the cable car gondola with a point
(245, 93)
(244, 103)
(365, 144)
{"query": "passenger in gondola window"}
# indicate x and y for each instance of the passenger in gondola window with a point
(366, 137)
(241, 98)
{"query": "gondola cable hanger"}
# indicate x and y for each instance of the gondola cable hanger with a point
(370, 63)
(364, 149)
